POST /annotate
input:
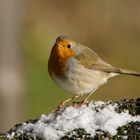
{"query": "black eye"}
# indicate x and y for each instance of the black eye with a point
(69, 46)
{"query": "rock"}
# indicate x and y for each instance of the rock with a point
(92, 121)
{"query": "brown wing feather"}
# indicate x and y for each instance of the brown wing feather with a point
(89, 59)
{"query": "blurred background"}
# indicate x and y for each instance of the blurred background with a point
(28, 29)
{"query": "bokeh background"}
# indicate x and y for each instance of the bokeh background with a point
(28, 29)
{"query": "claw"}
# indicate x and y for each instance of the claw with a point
(79, 104)
(62, 104)
(84, 102)
(59, 106)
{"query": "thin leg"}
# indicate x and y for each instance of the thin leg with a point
(64, 102)
(86, 98)
(68, 100)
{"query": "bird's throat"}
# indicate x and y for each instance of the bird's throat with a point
(57, 64)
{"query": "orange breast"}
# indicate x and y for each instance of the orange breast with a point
(58, 60)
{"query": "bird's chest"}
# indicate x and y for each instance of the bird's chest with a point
(78, 79)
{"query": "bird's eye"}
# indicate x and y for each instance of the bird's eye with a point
(69, 46)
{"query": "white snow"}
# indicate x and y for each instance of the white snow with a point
(56, 125)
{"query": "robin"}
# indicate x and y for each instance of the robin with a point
(78, 69)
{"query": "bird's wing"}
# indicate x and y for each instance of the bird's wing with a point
(89, 59)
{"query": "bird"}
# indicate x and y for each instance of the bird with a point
(78, 69)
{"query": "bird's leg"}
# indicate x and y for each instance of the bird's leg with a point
(64, 102)
(85, 100)
(68, 100)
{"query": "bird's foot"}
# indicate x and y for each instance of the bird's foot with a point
(79, 104)
(59, 106)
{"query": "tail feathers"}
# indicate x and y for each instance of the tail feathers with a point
(128, 72)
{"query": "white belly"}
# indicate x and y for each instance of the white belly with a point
(80, 80)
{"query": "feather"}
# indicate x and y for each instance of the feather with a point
(89, 59)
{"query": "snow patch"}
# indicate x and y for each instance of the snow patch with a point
(97, 115)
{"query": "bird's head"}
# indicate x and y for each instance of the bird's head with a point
(62, 50)
(64, 47)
